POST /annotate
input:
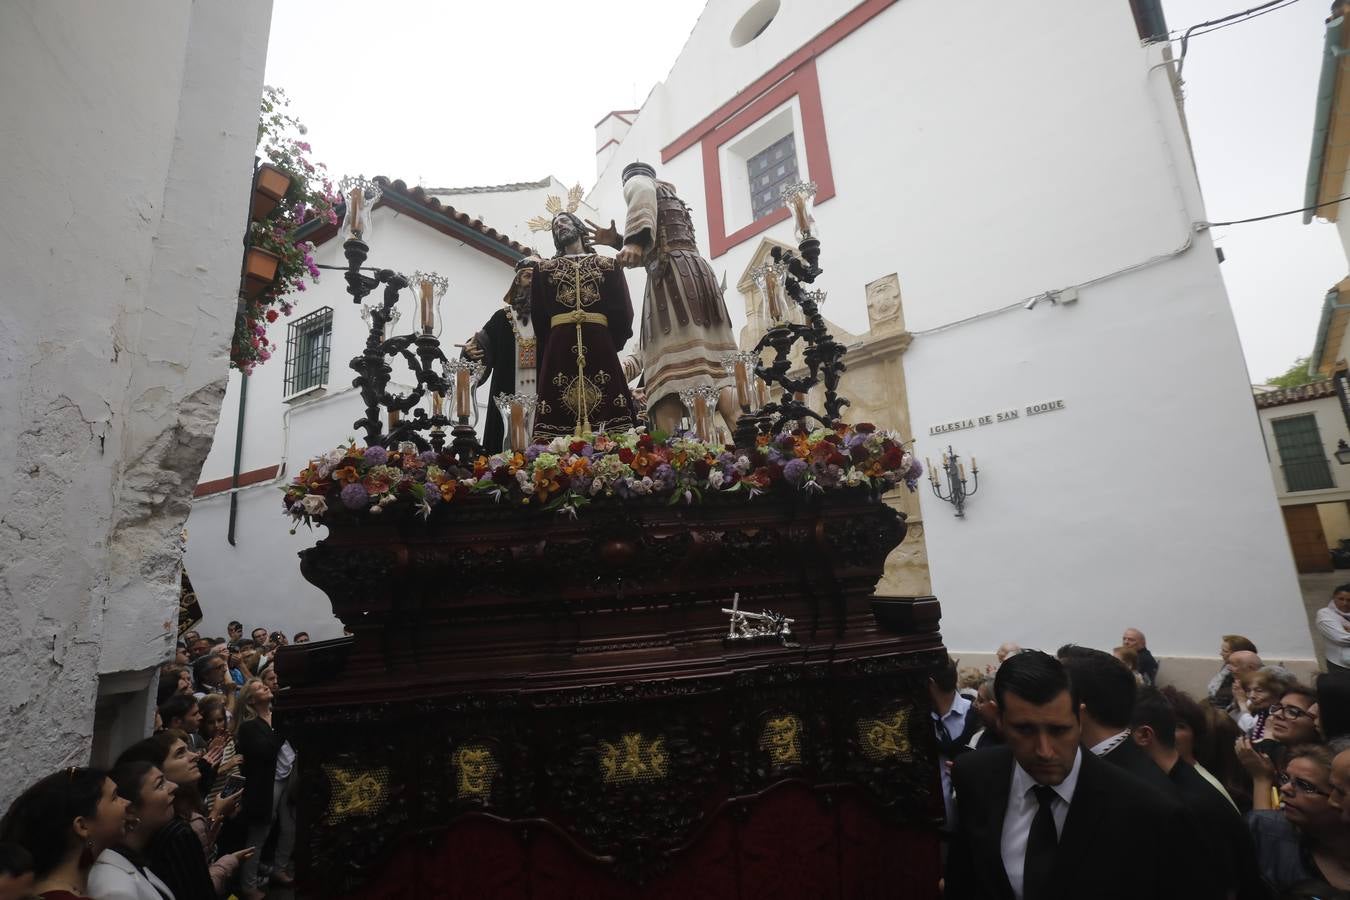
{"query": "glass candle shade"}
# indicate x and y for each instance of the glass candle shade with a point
(514, 409)
(700, 401)
(463, 372)
(428, 288)
(360, 193)
(816, 297)
(770, 279)
(799, 199)
(740, 365)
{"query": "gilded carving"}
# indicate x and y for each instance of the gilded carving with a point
(475, 769)
(353, 792)
(634, 758)
(885, 738)
(782, 740)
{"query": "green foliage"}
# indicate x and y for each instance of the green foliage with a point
(1295, 375)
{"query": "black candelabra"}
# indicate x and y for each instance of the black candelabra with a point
(955, 472)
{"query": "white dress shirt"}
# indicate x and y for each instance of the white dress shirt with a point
(1022, 808)
(954, 721)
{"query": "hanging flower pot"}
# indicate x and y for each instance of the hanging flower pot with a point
(269, 186)
(260, 270)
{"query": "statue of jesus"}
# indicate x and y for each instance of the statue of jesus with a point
(582, 315)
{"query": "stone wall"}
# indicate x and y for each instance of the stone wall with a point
(128, 145)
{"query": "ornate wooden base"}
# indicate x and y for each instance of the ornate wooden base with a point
(532, 706)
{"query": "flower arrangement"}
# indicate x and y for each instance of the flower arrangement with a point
(311, 195)
(566, 474)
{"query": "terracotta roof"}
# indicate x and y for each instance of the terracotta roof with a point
(1314, 391)
(415, 203)
(493, 188)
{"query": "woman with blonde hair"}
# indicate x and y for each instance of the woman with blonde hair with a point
(267, 768)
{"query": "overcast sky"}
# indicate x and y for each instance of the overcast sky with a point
(453, 94)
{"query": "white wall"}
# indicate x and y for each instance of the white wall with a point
(1330, 427)
(1043, 155)
(128, 140)
(257, 581)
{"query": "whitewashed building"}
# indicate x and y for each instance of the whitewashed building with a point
(1027, 178)
(128, 138)
(240, 557)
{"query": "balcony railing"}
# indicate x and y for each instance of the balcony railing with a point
(1308, 475)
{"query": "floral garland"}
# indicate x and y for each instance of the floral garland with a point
(354, 483)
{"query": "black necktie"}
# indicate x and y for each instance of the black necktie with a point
(1041, 844)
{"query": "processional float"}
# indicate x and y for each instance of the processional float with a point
(542, 695)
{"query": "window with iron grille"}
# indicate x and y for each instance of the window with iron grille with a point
(769, 170)
(308, 342)
(1302, 456)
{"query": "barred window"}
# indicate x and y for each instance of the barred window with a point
(1302, 456)
(769, 170)
(309, 340)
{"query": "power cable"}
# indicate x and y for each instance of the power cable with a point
(1203, 28)
(1288, 212)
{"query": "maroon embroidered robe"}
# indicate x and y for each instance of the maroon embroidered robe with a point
(582, 317)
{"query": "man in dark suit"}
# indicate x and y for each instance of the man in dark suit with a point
(1106, 689)
(1041, 819)
(1221, 832)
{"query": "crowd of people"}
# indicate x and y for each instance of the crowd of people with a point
(199, 810)
(1074, 774)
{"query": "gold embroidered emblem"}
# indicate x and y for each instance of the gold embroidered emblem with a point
(885, 738)
(475, 770)
(355, 793)
(782, 740)
(634, 758)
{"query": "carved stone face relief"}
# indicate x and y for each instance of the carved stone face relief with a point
(883, 301)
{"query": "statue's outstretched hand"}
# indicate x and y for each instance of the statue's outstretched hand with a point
(608, 237)
(472, 350)
(630, 257)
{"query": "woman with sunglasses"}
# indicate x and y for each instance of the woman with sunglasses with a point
(1306, 840)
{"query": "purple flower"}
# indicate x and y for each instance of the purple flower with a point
(772, 455)
(915, 470)
(532, 452)
(429, 457)
(376, 456)
(795, 471)
(354, 496)
(854, 440)
(829, 478)
(784, 441)
(622, 489)
(664, 476)
(588, 451)
(581, 484)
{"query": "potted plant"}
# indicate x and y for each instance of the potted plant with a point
(276, 263)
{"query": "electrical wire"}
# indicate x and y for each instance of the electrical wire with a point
(1287, 212)
(1237, 18)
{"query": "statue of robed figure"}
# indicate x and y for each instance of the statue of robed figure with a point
(582, 315)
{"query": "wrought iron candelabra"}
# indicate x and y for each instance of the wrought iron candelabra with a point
(433, 372)
(821, 353)
(955, 472)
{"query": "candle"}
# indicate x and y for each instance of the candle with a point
(932, 473)
(762, 390)
(974, 466)
(428, 310)
(463, 394)
(799, 214)
(518, 440)
(771, 294)
(742, 385)
(393, 419)
(357, 197)
(701, 422)
(961, 467)
(437, 403)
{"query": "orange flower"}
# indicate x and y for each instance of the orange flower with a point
(645, 463)
(800, 447)
(762, 440)
(517, 460)
(347, 475)
(544, 484)
(578, 466)
(375, 484)
(447, 487)
(480, 465)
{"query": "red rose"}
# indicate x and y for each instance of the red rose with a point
(892, 458)
(645, 442)
(864, 428)
(577, 446)
(625, 455)
(271, 315)
(702, 467)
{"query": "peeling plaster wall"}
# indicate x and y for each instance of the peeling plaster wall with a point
(128, 135)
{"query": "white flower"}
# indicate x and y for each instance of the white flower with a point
(742, 464)
(559, 445)
(407, 448)
(854, 478)
(716, 479)
(314, 505)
